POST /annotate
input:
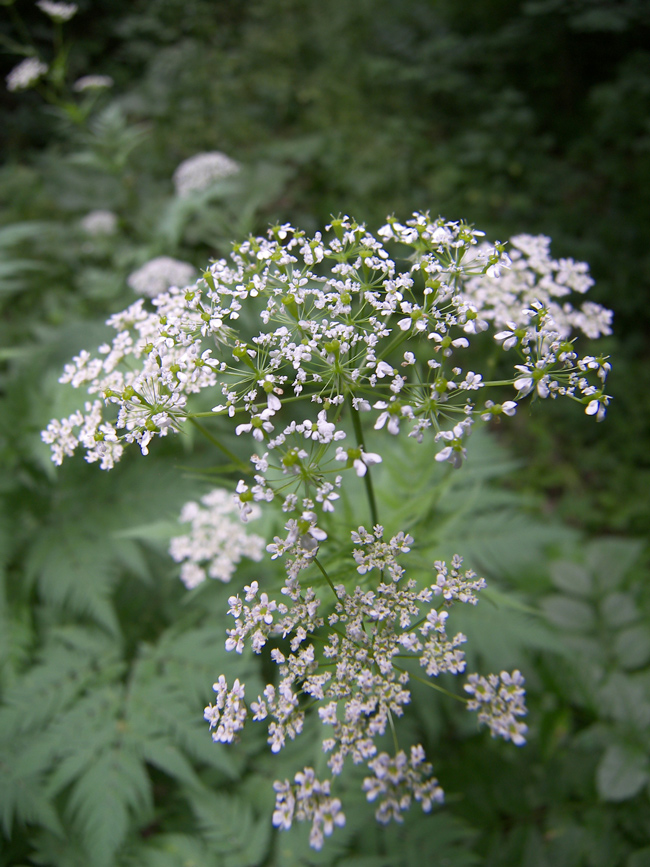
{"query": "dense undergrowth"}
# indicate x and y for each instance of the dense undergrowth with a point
(106, 661)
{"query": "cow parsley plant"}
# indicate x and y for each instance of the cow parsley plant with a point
(307, 347)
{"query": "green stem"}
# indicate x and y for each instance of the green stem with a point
(257, 407)
(20, 26)
(326, 576)
(367, 479)
(397, 340)
(394, 733)
(215, 442)
(432, 685)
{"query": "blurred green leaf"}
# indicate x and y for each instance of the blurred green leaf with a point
(622, 772)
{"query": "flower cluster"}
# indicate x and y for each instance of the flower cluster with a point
(532, 277)
(92, 82)
(216, 541)
(228, 713)
(26, 74)
(159, 274)
(499, 700)
(307, 799)
(58, 12)
(397, 780)
(347, 335)
(200, 171)
(359, 675)
(99, 222)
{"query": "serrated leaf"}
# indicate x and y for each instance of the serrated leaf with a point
(70, 660)
(18, 232)
(619, 609)
(101, 800)
(632, 646)
(626, 701)
(22, 792)
(76, 570)
(622, 772)
(609, 560)
(572, 578)
(65, 850)
(230, 829)
(157, 531)
(568, 613)
(171, 850)
(166, 757)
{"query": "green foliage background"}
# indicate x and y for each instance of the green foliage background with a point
(518, 116)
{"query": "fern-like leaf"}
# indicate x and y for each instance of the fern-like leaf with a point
(113, 785)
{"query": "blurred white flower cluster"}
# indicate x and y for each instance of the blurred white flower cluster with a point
(26, 73)
(216, 541)
(92, 82)
(99, 222)
(200, 171)
(159, 274)
(58, 12)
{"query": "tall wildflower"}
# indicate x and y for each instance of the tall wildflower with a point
(305, 345)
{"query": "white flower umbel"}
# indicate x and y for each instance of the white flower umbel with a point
(356, 672)
(306, 346)
(26, 74)
(59, 12)
(200, 171)
(159, 274)
(99, 222)
(307, 799)
(398, 780)
(331, 332)
(228, 714)
(216, 542)
(92, 82)
(533, 276)
(499, 700)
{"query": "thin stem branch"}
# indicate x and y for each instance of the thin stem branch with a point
(215, 442)
(393, 732)
(432, 685)
(325, 575)
(367, 479)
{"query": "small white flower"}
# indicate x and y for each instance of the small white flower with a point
(597, 407)
(383, 369)
(359, 459)
(455, 452)
(509, 338)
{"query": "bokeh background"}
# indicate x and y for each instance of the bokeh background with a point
(516, 116)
